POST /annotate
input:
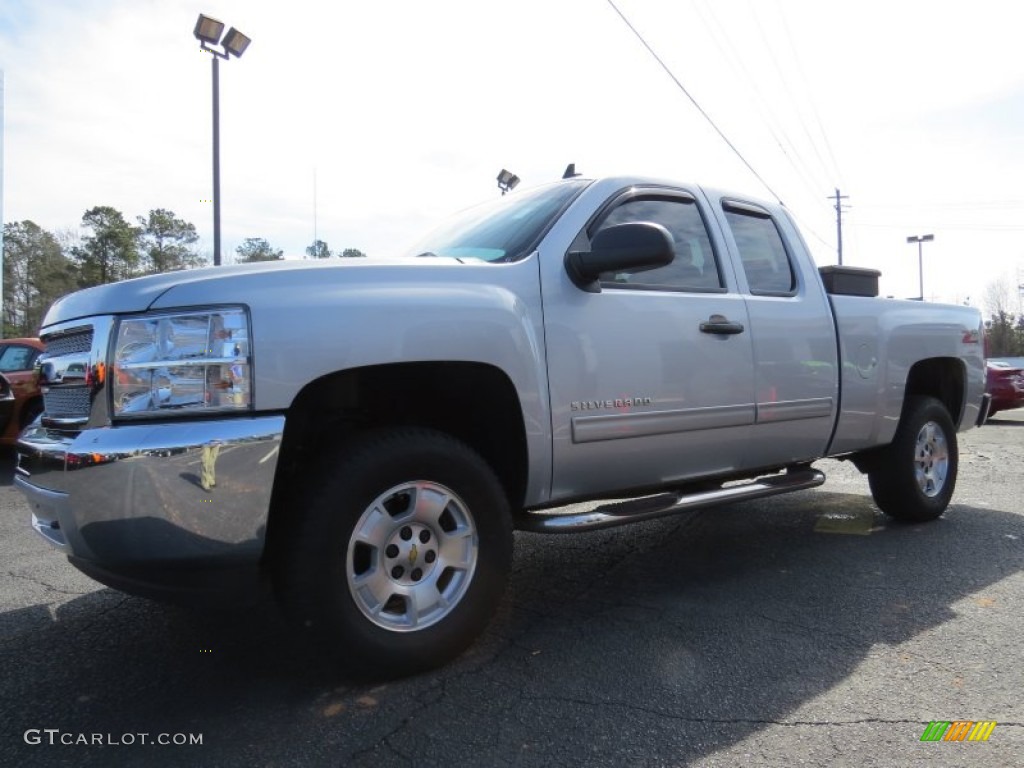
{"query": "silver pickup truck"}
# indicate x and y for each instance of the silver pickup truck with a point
(364, 435)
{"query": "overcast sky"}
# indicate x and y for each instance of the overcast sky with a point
(367, 122)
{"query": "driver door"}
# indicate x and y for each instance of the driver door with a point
(648, 388)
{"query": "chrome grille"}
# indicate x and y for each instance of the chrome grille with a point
(69, 343)
(67, 402)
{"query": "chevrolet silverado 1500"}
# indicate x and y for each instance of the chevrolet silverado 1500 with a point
(365, 434)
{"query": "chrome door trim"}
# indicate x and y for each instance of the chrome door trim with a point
(589, 429)
(795, 410)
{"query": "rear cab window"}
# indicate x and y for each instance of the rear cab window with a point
(764, 257)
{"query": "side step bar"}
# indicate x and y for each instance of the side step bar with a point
(651, 507)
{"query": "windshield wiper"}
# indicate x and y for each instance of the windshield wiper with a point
(431, 254)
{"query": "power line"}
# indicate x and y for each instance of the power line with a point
(966, 205)
(814, 108)
(781, 137)
(792, 100)
(700, 109)
(958, 227)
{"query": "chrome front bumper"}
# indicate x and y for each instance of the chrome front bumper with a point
(132, 497)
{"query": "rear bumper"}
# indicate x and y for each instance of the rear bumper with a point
(171, 500)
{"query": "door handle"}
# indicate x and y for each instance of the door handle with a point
(720, 324)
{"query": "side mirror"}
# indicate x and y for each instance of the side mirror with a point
(632, 247)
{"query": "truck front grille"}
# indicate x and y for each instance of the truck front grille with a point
(69, 401)
(68, 343)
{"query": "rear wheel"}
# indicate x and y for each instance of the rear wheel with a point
(402, 552)
(914, 477)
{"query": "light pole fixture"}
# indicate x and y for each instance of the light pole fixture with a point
(208, 32)
(920, 262)
(507, 181)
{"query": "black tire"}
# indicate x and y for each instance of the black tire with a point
(914, 477)
(348, 555)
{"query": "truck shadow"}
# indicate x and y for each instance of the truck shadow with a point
(1004, 421)
(658, 643)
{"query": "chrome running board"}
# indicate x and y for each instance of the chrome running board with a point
(651, 507)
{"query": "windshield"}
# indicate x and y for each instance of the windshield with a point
(502, 230)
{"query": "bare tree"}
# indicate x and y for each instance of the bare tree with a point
(997, 296)
(36, 273)
(1004, 334)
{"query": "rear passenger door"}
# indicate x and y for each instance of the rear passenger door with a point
(796, 376)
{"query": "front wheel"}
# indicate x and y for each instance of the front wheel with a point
(914, 478)
(401, 554)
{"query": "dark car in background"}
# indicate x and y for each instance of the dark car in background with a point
(17, 366)
(6, 402)
(1004, 380)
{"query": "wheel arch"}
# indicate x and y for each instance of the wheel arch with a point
(474, 402)
(944, 378)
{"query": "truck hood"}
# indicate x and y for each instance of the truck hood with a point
(142, 293)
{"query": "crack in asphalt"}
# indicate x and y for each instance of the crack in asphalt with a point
(429, 697)
(96, 617)
(515, 641)
(45, 585)
(741, 720)
(836, 744)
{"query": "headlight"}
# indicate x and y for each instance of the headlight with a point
(182, 362)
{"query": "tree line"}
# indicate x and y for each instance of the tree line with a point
(1004, 328)
(41, 266)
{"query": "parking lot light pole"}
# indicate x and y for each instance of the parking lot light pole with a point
(208, 31)
(920, 261)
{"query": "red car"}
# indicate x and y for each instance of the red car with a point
(1005, 382)
(17, 365)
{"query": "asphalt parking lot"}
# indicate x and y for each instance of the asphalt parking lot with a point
(799, 630)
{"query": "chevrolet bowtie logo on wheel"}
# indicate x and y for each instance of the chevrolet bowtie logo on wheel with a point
(958, 730)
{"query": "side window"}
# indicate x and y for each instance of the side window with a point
(16, 358)
(694, 268)
(762, 252)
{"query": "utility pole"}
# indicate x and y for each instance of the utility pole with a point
(1020, 285)
(839, 221)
